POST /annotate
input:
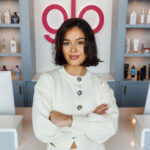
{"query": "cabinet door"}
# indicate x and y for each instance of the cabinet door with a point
(30, 92)
(18, 88)
(133, 94)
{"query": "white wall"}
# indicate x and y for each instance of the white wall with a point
(44, 59)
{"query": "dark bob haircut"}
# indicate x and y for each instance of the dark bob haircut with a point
(90, 48)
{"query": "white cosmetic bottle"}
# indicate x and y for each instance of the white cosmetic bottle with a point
(142, 17)
(133, 17)
(127, 45)
(7, 17)
(148, 17)
(13, 46)
(136, 45)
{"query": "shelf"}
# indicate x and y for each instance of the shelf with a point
(11, 54)
(10, 25)
(138, 26)
(137, 55)
(136, 81)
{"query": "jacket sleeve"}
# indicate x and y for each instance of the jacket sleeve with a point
(43, 128)
(97, 127)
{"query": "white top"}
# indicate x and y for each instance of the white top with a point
(63, 92)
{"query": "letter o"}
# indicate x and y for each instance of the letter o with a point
(100, 14)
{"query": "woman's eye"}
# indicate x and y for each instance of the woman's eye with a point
(81, 43)
(66, 43)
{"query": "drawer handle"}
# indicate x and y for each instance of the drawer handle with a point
(20, 90)
(125, 90)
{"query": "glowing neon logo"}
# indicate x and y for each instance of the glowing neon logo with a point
(65, 16)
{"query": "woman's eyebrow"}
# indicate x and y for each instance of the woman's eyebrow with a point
(66, 40)
(81, 38)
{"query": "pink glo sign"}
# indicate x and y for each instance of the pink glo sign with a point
(65, 16)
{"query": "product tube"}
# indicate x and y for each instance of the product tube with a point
(127, 45)
(136, 45)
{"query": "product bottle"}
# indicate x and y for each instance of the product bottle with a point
(0, 17)
(126, 68)
(17, 72)
(7, 17)
(144, 71)
(133, 17)
(15, 18)
(138, 75)
(149, 71)
(4, 68)
(3, 44)
(142, 74)
(148, 17)
(136, 45)
(127, 45)
(13, 45)
(133, 72)
(142, 17)
(18, 16)
(142, 48)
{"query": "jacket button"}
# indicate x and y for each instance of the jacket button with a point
(79, 79)
(79, 107)
(79, 92)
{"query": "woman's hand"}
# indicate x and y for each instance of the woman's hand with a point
(62, 120)
(101, 109)
(59, 119)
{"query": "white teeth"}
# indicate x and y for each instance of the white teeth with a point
(74, 57)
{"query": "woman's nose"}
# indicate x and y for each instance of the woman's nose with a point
(73, 48)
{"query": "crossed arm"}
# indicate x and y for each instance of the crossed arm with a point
(62, 120)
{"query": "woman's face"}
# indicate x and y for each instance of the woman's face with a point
(73, 46)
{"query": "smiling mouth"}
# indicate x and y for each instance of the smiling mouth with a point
(74, 57)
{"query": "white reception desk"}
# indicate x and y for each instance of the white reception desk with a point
(123, 140)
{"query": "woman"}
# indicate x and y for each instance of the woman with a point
(72, 107)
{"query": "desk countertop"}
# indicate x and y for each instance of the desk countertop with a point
(123, 140)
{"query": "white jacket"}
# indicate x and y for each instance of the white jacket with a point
(60, 91)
